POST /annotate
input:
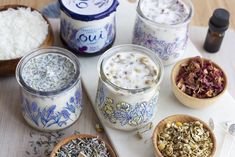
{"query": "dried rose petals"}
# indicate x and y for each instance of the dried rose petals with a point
(200, 78)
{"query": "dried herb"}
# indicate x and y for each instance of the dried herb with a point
(76, 132)
(39, 72)
(91, 147)
(185, 140)
(148, 127)
(200, 78)
(41, 144)
(99, 128)
(131, 70)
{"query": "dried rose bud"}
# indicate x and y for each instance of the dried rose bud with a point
(200, 78)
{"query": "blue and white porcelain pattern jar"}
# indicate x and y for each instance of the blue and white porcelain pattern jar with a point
(129, 83)
(88, 26)
(51, 88)
(162, 26)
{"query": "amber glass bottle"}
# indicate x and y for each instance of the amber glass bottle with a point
(218, 24)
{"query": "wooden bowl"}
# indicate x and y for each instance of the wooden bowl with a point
(7, 67)
(81, 136)
(188, 100)
(178, 118)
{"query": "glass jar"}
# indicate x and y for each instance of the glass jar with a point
(88, 27)
(167, 39)
(127, 108)
(51, 90)
(218, 24)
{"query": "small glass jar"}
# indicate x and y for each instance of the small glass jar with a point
(218, 24)
(88, 27)
(123, 108)
(45, 106)
(168, 41)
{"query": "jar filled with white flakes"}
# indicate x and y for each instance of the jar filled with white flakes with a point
(51, 90)
(129, 84)
(162, 26)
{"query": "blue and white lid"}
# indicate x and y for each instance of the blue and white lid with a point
(88, 10)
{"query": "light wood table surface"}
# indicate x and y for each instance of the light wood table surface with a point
(203, 8)
(15, 139)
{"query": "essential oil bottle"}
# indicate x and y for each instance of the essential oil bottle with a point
(218, 24)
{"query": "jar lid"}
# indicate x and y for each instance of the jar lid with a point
(220, 20)
(88, 10)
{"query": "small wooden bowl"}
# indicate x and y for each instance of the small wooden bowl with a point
(188, 100)
(7, 67)
(81, 136)
(178, 118)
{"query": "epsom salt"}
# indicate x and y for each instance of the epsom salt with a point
(21, 31)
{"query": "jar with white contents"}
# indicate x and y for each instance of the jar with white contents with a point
(51, 88)
(162, 26)
(88, 27)
(129, 83)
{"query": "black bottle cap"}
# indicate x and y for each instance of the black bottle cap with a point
(219, 20)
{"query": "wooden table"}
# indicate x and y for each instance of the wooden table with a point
(203, 8)
(16, 139)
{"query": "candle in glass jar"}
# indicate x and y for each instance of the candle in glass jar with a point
(162, 26)
(128, 86)
(51, 88)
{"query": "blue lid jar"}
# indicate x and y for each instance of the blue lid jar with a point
(88, 10)
(88, 26)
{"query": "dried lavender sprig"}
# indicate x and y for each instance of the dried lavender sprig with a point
(91, 147)
(43, 143)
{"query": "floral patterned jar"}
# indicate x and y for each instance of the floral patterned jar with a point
(51, 88)
(128, 89)
(88, 26)
(162, 26)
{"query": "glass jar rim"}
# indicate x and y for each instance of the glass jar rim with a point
(186, 21)
(137, 48)
(48, 50)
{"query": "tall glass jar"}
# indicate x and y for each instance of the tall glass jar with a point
(162, 32)
(127, 108)
(51, 90)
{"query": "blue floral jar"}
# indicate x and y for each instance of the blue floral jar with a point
(131, 102)
(51, 88)
(162, 26)
(88, 27)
